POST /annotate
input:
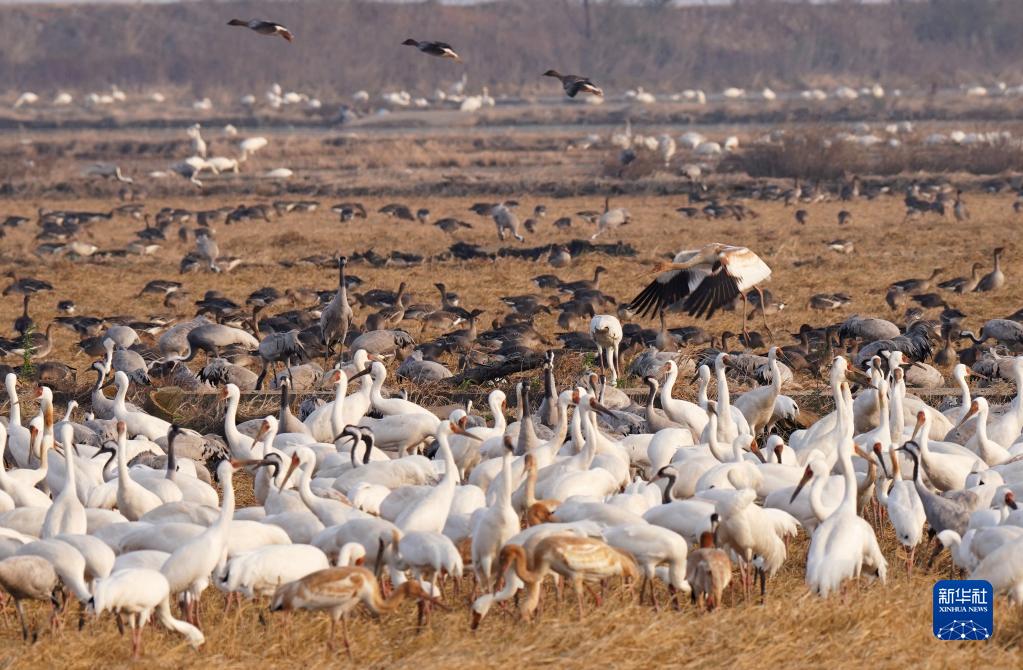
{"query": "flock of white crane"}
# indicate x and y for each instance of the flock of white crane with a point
(349, 505)
(454, 95)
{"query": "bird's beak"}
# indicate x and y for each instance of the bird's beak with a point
(966, 417)
(807, 476)
(972, 373)
(1010, 500)
(880, 459)
(476, 618)
(756, 451)
(361, 373)
(600, 408)
(287, 475)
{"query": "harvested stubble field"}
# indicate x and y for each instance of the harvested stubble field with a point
(880, 626)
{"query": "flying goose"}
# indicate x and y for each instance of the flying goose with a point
(439, 49)
(574, 84)
(264, 27)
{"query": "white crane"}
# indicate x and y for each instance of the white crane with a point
(844, 544)
(66, 514)
(189, 567)
(707, 279)
(606, 331)
(140, 593)
(494, 527)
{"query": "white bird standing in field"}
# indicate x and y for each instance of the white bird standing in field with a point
(66, 514)
(495, 527)
(707, 279)
(139, 593)
(905, 509)
(606, 331)
(189, 568)
(843, 544)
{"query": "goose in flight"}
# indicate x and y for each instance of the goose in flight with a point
(574, 84)
(707, 279)
(264, 27)
(439, 49)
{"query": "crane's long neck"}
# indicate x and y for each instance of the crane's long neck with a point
(590, 450)
(650, 399)
(70, 476)
(451, 476)
(47, 440)
(380, 605)
(817, 506)
(884, 415)
(967, 398)
(522, 571)
(669, 385)
(227, 504)
(119, 406)
(561, 430)
(504, 500)
(337, 412)
(231, 432)
(724, 400)
(305, 489)
(849, 496)
(531, 484)
(982, 425)
(577, 435)
(737, 456)
(896, 418)
(123, 477)
(12, 396)
(375, 393)
(500, 422)
(342, 290)
(712, 439)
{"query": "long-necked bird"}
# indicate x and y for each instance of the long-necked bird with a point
(439, 49)
(707, 279)
(264, 27)
(574, 84)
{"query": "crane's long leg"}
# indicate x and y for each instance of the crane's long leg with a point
(330, 635)
(579, 595)
(21, 616)
(909, 561)
(763, 585)
(344, 633)
(136, 640)
(745, 332)
(763, 312)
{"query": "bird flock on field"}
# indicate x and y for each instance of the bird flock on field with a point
(373, 499)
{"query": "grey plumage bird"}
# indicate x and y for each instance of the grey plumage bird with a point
(995, 279)
(336, 318)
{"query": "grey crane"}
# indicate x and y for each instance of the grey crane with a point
(220, 372)
(277, 348)
(943, 513)
(210, 338)
(867, 329)
(336, 318)
(1006, 332)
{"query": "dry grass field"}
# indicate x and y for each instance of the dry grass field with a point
(873, 625)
